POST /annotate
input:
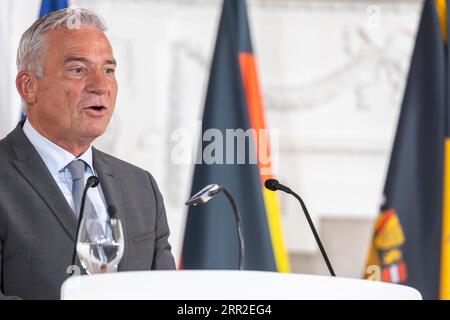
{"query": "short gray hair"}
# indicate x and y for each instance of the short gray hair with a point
(32, 42)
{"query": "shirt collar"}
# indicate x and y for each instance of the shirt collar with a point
(55, 157)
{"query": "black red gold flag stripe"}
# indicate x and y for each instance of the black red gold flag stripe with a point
(233, 101)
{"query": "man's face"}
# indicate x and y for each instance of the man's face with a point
(75, 100)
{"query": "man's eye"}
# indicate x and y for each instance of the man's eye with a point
(110, 71)
(77, 70)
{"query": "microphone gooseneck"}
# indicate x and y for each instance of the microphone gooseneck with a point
(206, 194)
(237, 217)
(274, 185)
(91, 182)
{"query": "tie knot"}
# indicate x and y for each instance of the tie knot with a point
(76, 168)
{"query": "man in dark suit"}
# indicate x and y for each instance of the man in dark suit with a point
(67, 82)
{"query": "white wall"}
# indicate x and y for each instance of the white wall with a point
(332, 74)
(15, 17)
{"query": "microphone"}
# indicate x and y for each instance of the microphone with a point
(274, 185)
(206, 194)
(203, 195)
(91, 182)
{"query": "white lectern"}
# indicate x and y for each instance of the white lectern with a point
(227, 285)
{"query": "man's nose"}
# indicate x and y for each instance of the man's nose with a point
(97, 83)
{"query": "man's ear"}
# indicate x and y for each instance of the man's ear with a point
(27, 84)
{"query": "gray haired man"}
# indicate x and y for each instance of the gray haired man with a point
(66, 78)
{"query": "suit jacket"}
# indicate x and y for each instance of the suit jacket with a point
(38, 227)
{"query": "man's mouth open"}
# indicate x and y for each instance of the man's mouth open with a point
(96, 111)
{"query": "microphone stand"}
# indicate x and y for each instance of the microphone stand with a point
(205, 195)
(274, 185)
(237, 216)
(313, 229)
(92, 182)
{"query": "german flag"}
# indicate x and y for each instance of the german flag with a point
(234, 105)
(411, 242)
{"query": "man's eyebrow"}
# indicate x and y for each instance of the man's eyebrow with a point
(84, 60)
(111, 61)
(75, 58)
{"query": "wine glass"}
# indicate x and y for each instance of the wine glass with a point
(100, 244)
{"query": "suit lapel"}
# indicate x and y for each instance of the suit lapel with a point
(30, 165)
(33, 169)
(113, 196)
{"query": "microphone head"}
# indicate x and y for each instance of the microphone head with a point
(92, 181)
(112, 211)
(204, 195)
(272, 184)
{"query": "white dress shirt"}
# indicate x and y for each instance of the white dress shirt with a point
(56, 159)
